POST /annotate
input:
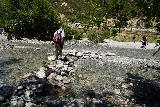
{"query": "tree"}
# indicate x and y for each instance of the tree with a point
(30, 18)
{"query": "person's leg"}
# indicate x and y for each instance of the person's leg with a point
(60, 50)
(56, 51)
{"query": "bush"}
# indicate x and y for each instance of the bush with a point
(31, 18)
(70, 32)
(98, 35)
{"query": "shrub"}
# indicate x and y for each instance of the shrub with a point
(31, 18)
(70, 32)
(98, 35)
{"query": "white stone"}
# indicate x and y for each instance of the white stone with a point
(58, 78)
(66, 80)
(117, 91)
(92, 55)
(51, 58)
(124, 86)
(52, 66)
(73, 52)
(65, 67)
(85, 56)
(29, 104)
(79, 54)
(110, 54)
(41, 74)
(100, 57)
(59, 66)
(131, 84)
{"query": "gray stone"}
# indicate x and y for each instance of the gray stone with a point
(41, 74)
(66, 80)
(1, 98)
(79, 54)
(17, 102)
(30, 104)
(58, 78)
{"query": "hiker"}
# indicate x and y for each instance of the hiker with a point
(134, 37)
(58, 40)
(144, 42)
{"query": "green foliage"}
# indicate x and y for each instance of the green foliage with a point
(68, 32)
(30, 18)
(114, 32)
(71, 33)
(98, 35)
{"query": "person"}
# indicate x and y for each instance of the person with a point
(134, 37)
(58, 39)
(144, 41)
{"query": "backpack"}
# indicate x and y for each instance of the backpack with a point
(57, 38)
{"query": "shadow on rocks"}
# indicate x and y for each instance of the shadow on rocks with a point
(6, 92)
(145, 92)
(9, 61)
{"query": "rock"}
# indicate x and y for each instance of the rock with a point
(72, 52)
(93, 55)
(1, 98)
(79, 54)
(52, 66)
(27, 75)
(72, 72)
(64, 73)
(51, 58)
(51, 76)
(30, 104)
(66, 80)
(20, 87)
(65, 67)
(58, 78)
(100, 56)
(27, 94)
(41, 74)
(120, 79)
(80, 76)
(70, 68)
(17, 102)
(131, 84)
(110, 54)
(59, 66)
(124, 86)
(85, 56)
(117, 91)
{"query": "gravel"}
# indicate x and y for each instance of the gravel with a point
(106, 75)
